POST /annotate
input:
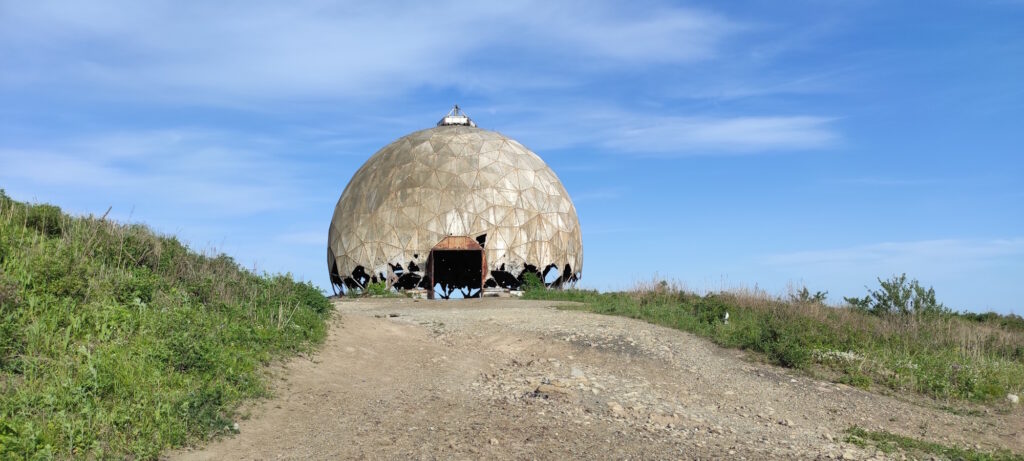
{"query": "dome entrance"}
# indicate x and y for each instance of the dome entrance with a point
(456, 263)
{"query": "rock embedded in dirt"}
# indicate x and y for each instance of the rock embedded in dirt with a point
(551, 389)
(617, 410)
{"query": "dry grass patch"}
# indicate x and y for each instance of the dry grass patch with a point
(946, 356)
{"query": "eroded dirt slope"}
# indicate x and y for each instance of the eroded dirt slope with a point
(512, 379)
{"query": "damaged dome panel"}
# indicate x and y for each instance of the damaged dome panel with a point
(454, 207)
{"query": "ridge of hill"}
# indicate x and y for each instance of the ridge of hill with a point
(116, 341)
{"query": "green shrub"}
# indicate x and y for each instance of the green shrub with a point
(856, 379)
(47, 219)
(308, 295)
(378, 289)
(897, 296)
(805, 296)
(1010, 321)
(532, 282)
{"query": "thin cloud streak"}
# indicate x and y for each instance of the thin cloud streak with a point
(959, 251)
(620, 131)
(881, 181)
(735, 134)
(269, 50)
(182, 168)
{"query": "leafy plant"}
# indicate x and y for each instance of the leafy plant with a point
(805, 296)
(532, 282)
(378, 289)
(897, 296)
(47, 219)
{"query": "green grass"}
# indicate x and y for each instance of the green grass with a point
(949, 357)
(116, 342)
(889, 443)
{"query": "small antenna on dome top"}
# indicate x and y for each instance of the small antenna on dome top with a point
(456, 117)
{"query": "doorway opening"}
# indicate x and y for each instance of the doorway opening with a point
(457, 266)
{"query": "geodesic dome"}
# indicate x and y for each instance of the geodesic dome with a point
(454, 187)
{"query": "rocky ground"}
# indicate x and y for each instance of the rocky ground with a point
(512, 379)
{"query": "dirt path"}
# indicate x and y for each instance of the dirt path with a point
(511, 379)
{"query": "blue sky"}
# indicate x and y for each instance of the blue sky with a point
(716, 144)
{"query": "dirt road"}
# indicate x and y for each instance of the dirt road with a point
(513, 379)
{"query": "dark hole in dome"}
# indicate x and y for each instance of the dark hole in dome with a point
(424, 283)
(550, 274)
(456, 274)
(482, 239)
(407, 281)
(360, 277)
(528, 269)
(567, 276)
(504, 279)
(457, 270)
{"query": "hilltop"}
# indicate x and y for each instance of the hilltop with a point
(118, 342)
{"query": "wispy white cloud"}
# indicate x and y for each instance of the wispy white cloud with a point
(896, 255)
(886, 181)
(311, 50)
(636, 132)
(750, 83)
(201, 169)
(733, 134)
(351, 49)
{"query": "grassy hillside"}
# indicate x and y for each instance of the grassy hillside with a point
(944, 355)
(117, 342)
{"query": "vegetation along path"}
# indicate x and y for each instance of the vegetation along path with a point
(503, 379)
